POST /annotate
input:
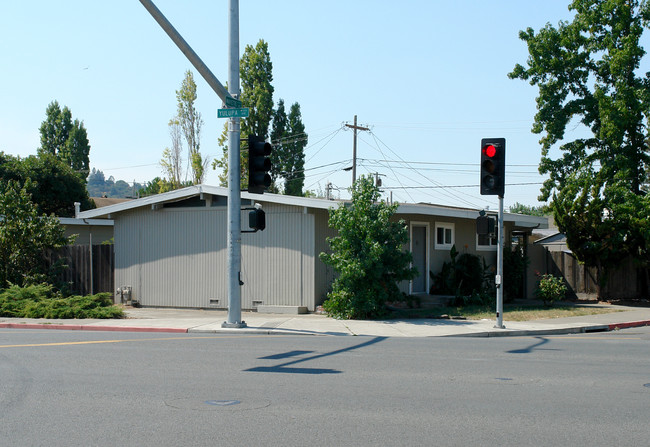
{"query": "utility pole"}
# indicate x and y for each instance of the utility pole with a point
(499, 277)
(234, 173)
(354, 148)
(234, 191)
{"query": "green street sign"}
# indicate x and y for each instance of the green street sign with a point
(233, 103)
(232, 113)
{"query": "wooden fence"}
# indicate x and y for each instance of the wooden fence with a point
(87, 271)
(627, 281)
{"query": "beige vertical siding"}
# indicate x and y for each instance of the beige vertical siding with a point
(178, 257)
(277, 264)
(172, 257)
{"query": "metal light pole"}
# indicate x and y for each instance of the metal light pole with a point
(499, 277)
(234, 191)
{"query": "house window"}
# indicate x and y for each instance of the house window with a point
(444, 235)
(486, 242)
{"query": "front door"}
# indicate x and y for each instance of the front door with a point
(419, 250)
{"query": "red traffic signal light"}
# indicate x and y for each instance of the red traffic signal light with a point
(493, 166)
(490, 151)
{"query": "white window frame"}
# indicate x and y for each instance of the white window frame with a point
(492, 247)
(445, 245)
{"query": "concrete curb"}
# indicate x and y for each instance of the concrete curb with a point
(615, 326)
(252, 331)
(81, 327)
(274, 331)
(533, 332)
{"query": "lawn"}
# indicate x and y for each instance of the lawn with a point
(511, 312)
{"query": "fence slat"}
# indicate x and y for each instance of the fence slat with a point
(78, 271)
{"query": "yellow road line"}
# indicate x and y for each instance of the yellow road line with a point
(71, 343)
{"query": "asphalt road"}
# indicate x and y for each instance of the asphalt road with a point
(61, 388)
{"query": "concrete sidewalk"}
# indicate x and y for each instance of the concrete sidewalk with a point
(209, 321)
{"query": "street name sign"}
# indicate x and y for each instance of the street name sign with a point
(232, 113)
(233, 103)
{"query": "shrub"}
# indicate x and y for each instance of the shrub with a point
(465, 276)
(550, 289)
(368, 255)
(39, 301)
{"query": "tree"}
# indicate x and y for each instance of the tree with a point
(25, 237)
(278, 133)
(65, 139)
(172, 161)
(52, 184)
(289, 140)
(587, 73)
(520, 208)
(190, 122)
(256, 75)
(368, 255)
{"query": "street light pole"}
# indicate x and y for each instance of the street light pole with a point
(234, 192)
(499, 277)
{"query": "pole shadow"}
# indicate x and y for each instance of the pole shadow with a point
(287, 367)
(532, 347)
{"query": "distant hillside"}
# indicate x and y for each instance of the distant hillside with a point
(99, 186)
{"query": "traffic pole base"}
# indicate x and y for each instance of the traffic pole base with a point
(236, 325)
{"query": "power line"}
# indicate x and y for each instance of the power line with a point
(455, 186)
(449, 194)
(441, 163)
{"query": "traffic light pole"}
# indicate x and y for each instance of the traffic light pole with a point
(499, 277)
(234, 190)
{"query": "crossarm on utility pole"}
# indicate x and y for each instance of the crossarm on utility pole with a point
(203, 70)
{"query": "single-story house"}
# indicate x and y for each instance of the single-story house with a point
(91, 231)
(88, 231)
(171, 248)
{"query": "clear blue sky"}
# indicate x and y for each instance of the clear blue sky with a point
(428, 77)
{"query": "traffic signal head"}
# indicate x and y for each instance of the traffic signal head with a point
(493, 166)
(259, 164)
(485, 225)
(257, 219)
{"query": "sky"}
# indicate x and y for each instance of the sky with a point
(428, 78)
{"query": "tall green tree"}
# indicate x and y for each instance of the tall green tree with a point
(52, 184)
(190, 122)
(25, 237)
(587, 72)
(172, 158)
(65, 139)
(278, 134)
(289, 141)
(256, 75)
(368, 254)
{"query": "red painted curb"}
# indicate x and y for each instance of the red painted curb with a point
(79, 327)
(613, 327)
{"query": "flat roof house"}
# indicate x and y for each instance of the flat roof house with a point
(171, 248)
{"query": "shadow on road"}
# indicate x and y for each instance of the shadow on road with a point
(532, 347)
(286, 368)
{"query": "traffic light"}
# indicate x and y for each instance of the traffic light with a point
(493, 166)
(485, 225)
(259, 164)
(257, 219)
